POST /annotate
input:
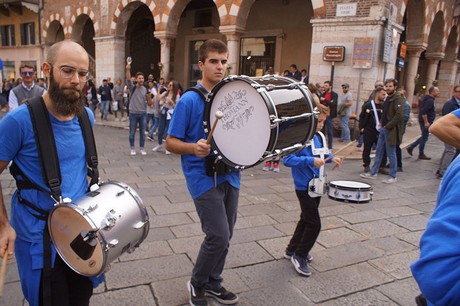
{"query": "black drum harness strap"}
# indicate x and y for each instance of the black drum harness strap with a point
(214, 166)
(46, 145)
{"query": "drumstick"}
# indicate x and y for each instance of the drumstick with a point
(340, 150)
(219, 115)
(3, 271)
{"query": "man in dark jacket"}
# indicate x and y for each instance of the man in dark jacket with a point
(449, 150)
(329, 99)
(369, 121)
(391, 133)
(425, 119)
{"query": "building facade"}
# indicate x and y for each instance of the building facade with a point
(415, 41)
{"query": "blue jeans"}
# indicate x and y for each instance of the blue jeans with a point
(345, 135)
(136, 120)
(156, 123)
(329, 131)
(104, 108)
(382, 147)
(217, 210)
(421, 141)
(162, 129)
(149, 118)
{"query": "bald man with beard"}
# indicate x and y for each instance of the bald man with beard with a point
(66, 69)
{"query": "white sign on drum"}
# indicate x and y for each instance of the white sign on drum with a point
(243, 133)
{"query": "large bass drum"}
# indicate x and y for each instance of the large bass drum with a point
(263, 118)
(97, 228)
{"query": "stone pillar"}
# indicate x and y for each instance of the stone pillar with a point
(446, 78)
(433, 61)
(233, 34)
(413, 56)
(110, 58)
(457, 73)
(165, 53)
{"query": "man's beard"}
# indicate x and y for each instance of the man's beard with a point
(66, 101)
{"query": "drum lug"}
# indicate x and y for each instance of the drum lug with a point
(140, 224)
(89, 209)
(109, 221)
(112, 243)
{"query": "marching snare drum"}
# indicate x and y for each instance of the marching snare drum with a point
(350, 191)
(98, 227)
(263, 118)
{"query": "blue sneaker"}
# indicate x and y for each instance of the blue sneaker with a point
(289, 254)
(300, 265)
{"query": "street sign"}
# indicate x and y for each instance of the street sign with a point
(1, 64)
(363, 52)
(334, 54)
(387, 45)
(346, 9)
(401, 62)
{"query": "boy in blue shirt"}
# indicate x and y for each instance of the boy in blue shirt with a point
(305, 166)
(216, 202)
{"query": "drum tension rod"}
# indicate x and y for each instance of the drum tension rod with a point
(284, 119)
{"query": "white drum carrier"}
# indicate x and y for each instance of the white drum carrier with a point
(97, 228)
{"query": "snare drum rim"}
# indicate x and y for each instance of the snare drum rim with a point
(207, 119)
(100, 237)
(332, 185)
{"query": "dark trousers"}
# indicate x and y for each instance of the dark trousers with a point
(421, 141)
(308, 227)
(217, 210)
(330, 132)
(370, 138)
(68, 288)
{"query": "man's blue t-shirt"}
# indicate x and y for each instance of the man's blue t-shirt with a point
(18, 144)
(187, 125)
(456, 112)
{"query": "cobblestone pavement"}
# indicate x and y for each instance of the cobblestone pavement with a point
(362, 255)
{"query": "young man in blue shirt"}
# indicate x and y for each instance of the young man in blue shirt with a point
(437, 271)
(216, 202)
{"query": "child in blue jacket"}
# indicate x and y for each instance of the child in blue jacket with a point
(305, 166)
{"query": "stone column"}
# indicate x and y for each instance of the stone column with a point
(446, 78)
(457, 73)
(413, 56)
(110, 58)
(165, 56)
(233, 34)
(433, 61)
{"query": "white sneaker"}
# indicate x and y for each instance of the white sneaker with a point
(133, 152)
(123, 119)
(368, 175)
(167, 152)
(157, 148)
(390, 180)
(143, 152)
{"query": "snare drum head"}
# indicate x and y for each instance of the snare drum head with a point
(65, 223)
(350, 185)
(243, 133)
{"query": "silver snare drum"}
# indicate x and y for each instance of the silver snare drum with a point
(97, 228)
(350, 191)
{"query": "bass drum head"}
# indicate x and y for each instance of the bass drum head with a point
(65, 223)
(246, 123)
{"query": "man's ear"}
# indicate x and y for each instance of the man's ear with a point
(46, 68)
(200, 65)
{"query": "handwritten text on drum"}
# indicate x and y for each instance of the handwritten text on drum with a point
(236, 110)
